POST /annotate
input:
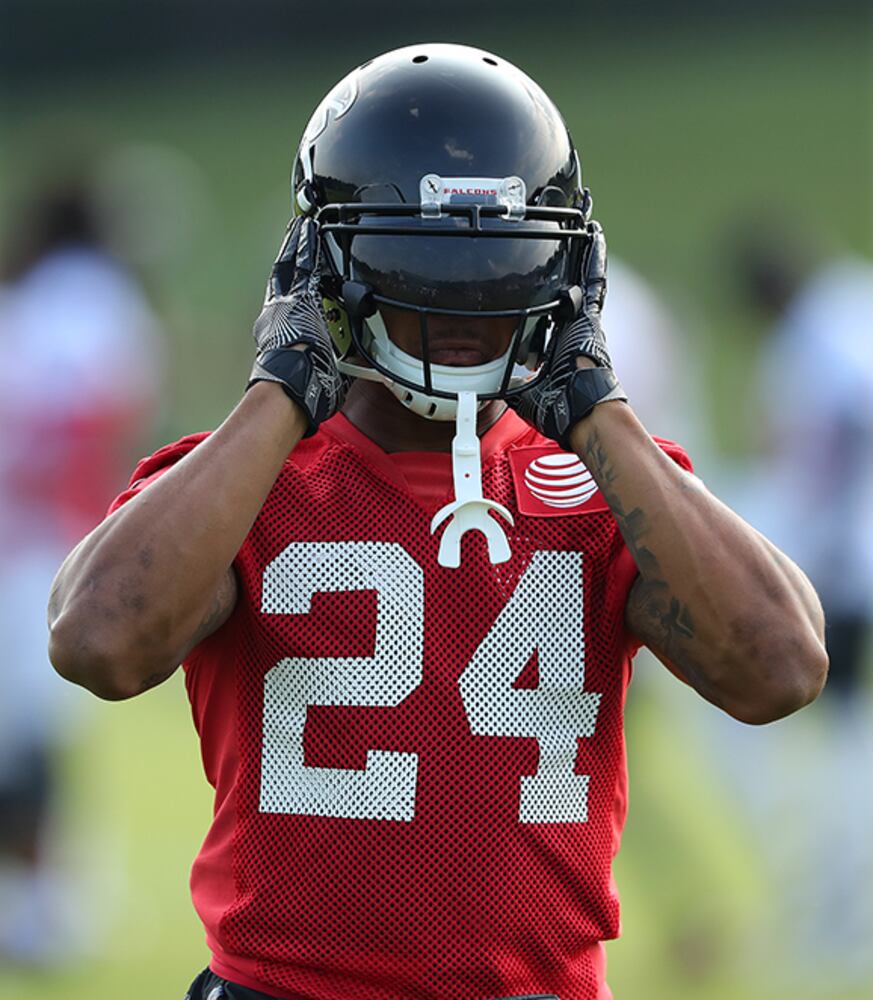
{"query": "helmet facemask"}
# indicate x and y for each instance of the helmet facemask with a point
(388, 259)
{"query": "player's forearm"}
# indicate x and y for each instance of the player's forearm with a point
(130, 599)
(715, 598)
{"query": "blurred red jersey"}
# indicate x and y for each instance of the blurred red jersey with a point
(420, 772)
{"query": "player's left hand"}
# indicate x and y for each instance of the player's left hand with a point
(568, 392)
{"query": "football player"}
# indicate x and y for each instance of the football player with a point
(408, 573)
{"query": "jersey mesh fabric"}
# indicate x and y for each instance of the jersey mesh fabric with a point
(420, 771)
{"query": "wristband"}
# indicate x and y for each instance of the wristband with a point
(295, 372)
(587, 387)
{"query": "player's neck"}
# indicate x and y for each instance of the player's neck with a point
(378, 414)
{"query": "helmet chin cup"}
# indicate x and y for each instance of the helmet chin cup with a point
(429, 407)
(427, 389)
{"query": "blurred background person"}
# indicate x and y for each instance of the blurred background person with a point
(79, 378)
(815, 397)
(811, 487)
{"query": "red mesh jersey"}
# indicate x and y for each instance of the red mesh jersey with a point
(420, 772)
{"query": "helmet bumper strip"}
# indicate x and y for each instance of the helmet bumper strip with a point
(509, 193)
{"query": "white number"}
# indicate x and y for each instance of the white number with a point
(385, 788)
(543, 616)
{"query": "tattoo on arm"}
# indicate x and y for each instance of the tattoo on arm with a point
(654, 614)
(223, 604)
(632, 524)
(664, 624)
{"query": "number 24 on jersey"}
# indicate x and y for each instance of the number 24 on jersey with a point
(544, 614)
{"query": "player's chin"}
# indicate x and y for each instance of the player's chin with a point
(458, 357)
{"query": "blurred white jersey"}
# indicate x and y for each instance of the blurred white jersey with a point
(816, 386)
(79, 366)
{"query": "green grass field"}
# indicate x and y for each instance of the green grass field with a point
(681, 136)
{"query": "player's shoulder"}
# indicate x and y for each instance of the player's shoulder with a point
(524, 436)
(153, 466)
(167, 455)
(679, 455)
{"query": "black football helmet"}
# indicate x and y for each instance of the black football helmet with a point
(444, 182)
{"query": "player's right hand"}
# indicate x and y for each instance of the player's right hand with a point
(293, 341)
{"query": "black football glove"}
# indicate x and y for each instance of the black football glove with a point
(566, 394)
(294, 345)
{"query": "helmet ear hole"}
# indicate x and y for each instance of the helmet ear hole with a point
(338, 326)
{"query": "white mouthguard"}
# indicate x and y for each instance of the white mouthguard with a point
(469, 510)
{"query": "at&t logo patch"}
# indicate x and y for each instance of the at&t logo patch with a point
(553, 483)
